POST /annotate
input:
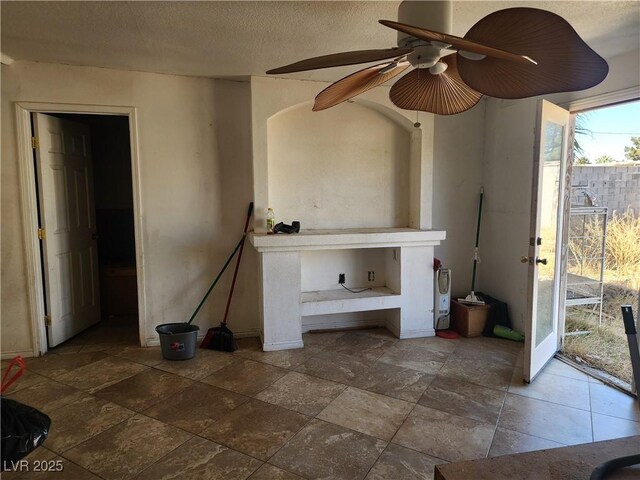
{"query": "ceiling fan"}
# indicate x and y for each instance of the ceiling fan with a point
(512, 53)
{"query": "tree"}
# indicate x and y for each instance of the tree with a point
(633, 152)
(581, 130)
(604, 159)
(582, 161)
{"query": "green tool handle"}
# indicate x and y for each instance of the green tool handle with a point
(479, 217)
(473, 275)
(475, 253)
(206, 295)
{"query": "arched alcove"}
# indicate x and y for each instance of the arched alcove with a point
(346, 167)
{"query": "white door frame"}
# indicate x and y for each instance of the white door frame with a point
(29, 203)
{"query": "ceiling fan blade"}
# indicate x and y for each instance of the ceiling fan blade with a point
(444, 94)
(357, 83)
(565, 62)
(341, 59)
(457, 42)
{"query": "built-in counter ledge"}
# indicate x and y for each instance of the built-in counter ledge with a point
(347, 238)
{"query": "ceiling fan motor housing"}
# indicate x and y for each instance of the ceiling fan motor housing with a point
(424, 56)
(436, 16)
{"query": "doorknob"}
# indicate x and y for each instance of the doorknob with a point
(541, 260)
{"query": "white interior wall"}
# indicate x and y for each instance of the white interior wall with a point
(457, 171)
(233, 139)
(190, 217)
(507, 174)
(345, 167)
(320, 268)
(274, 96)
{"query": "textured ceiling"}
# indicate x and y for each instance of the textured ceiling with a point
(236, 39)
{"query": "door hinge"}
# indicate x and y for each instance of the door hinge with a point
(42, 233)
(47, 320)
(35, 143)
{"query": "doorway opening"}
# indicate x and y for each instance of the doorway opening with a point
(603, 239)
(107, 277)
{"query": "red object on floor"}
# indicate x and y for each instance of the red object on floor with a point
(450, 334)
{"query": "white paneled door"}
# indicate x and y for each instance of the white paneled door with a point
(67, 216)
(543, 336)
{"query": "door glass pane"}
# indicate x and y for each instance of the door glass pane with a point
(551, 169)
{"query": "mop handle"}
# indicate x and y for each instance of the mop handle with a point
(475, 252)
(235, 272)
(479, 218)
(206, 295)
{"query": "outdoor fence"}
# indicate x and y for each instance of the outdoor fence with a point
(615, 187)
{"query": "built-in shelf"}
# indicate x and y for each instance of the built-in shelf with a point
(346, 238)
(405, 267)
(342, 301)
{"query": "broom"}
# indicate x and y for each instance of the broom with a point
(221, 338)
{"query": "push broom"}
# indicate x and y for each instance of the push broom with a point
(472, 299)
(221, 338)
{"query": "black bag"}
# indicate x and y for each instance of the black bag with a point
(23, 430)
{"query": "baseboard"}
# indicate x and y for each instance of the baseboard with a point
(272, 347)
(10, 355)
(247, 333)
(155, 340)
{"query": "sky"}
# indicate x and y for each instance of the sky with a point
(611, 130)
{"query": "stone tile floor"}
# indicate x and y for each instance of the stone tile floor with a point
(350, 405)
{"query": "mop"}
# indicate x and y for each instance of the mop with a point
(472, 299)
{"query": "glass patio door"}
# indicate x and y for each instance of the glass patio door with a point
(543, 336)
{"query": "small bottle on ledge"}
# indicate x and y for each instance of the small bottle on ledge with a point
(271, 220)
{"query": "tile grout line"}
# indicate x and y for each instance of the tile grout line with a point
(420, 452)
(80, 466)
(285, 444)
(89, 439)
(193, 435)
(593, 435)
(377, 458)
(504, 400)
(550, 402)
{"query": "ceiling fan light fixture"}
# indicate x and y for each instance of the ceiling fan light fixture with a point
(424, 56)
(438, 68)
(472, 55)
